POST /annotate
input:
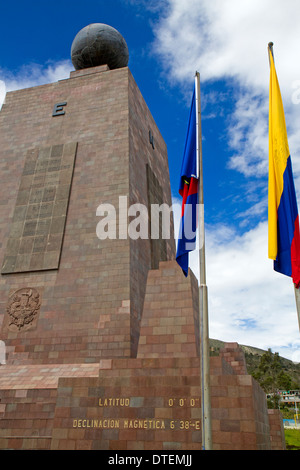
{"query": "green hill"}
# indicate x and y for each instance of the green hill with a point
(269, 369)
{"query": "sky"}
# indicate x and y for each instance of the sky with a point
(168, 41)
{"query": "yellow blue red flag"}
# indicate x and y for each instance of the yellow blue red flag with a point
(283, 218)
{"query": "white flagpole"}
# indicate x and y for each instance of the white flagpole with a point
(203, 298)
(297, 297)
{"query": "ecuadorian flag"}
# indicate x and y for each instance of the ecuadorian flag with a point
(284, 238)
(188, 189)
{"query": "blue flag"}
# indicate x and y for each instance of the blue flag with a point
(188, 189)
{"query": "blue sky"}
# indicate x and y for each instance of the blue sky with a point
(226, 41)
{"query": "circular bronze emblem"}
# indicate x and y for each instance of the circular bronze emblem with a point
(22, 309)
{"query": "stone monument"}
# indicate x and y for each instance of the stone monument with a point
(101, 333)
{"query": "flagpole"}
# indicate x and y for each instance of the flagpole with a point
(297, 297)
(270, 46)
(203, 297)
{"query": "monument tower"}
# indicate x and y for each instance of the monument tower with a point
(101, 333)
(67, 148)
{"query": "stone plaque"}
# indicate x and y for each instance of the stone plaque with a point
(22, 310)
(38, 224)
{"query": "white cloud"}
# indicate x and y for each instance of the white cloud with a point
(248, 301)
(31, 75)
(35, 74)
(248, 135)
(228, 40)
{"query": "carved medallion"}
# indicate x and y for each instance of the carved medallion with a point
(23, 309)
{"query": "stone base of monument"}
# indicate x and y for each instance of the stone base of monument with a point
(154, 404)
(151, 402)
(133, 404)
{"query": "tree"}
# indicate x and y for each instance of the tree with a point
(269, 373)
(284, 381)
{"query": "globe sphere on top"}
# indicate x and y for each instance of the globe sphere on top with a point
(99, 44)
